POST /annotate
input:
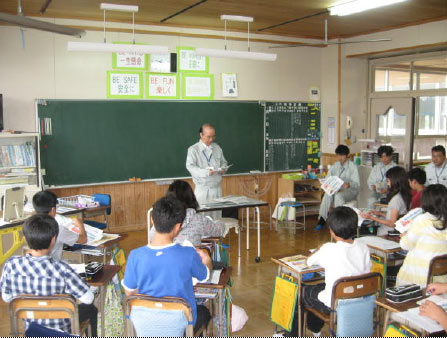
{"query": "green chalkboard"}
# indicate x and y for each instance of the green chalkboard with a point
(292, 135)
(109, 141)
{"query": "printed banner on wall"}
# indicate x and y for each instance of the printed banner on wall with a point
(162, 86)
(124, 85)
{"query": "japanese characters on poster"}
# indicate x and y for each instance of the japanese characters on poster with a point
(198, 86)
(124, 84)
(162, 86)
(188, 61)
(229, 85)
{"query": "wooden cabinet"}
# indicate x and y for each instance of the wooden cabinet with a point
(305, 191)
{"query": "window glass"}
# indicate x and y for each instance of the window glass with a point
(391, 123)
(432, 115)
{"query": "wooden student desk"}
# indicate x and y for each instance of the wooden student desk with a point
(223, 281)
(298, 275)
(101, 280)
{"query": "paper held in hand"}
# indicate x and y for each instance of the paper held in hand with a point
(403, 224)
(331, 184)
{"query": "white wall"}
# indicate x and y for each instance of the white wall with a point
(44, 69)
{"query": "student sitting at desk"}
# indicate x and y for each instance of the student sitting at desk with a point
(196, 225)
(426, 237)
(399, 199)
(164, 268)
(377, 179)
(71, 230)
(433, 311)
(39, 274)
(416, 179)
(348, 172)
(344, 258)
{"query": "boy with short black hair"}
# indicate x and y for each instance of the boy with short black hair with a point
(39, 274)
(45, 202)
(344, 258)
(164, 268)
(416, 178)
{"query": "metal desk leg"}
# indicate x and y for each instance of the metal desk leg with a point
(220, 302)
(385, 321)
(300, 324)
(248, 228)
(258, 220)
(102, 300)
(239, 241)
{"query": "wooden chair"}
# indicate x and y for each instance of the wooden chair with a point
(165, 303)
(348, 288)
(46, 307)
(438, 267)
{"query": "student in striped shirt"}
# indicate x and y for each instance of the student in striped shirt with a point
(426, 238)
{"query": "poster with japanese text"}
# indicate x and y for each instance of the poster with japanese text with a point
(198, 86)
(124, 85)
(229, 85)
(125, 60)
(188, 61)
(162, 86)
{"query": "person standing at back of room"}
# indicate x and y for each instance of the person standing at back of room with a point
(206, 163)
(436, 170)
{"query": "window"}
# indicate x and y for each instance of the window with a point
(424, 77)
(426, 74)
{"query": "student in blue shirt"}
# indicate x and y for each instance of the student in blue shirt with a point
(164, 268)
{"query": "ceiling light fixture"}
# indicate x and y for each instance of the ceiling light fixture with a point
(233, 54)
(356, 6)
(117, 47)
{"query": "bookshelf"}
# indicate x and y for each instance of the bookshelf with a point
(19, 161)
(306, 191)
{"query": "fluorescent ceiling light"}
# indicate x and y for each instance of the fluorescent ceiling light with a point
(121, 8)
(115, 48)
(356, 6)
(237, 18)
(234, 54)
(41, 25)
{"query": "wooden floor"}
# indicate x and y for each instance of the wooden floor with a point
(253, 282)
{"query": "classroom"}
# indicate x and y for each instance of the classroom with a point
(258, 100)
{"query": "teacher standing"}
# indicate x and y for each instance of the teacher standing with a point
(206, 163)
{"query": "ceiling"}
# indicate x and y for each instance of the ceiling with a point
(265, 12)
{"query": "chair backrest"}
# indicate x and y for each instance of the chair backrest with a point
(356, 286)
(438, 267)
(104, 199)
(353, 298)
(160, 304)
(43, 307)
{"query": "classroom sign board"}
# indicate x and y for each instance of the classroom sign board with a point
(104, 141)
(292, 135)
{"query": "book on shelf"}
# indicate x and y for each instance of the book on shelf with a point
(298, 262)
(18, 155)
(13, 180)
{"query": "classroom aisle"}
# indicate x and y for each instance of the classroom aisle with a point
(253, 282)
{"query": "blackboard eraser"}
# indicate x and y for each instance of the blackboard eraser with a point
(255, 171)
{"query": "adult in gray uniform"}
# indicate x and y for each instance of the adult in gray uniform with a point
(206, 163)
(348, 172)
(377, 178)
(436, 170)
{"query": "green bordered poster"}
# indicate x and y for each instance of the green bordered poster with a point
(131, 61)
(162, 86)
(198, 86)
(124, 85)
(283, 303)
(188, 61)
